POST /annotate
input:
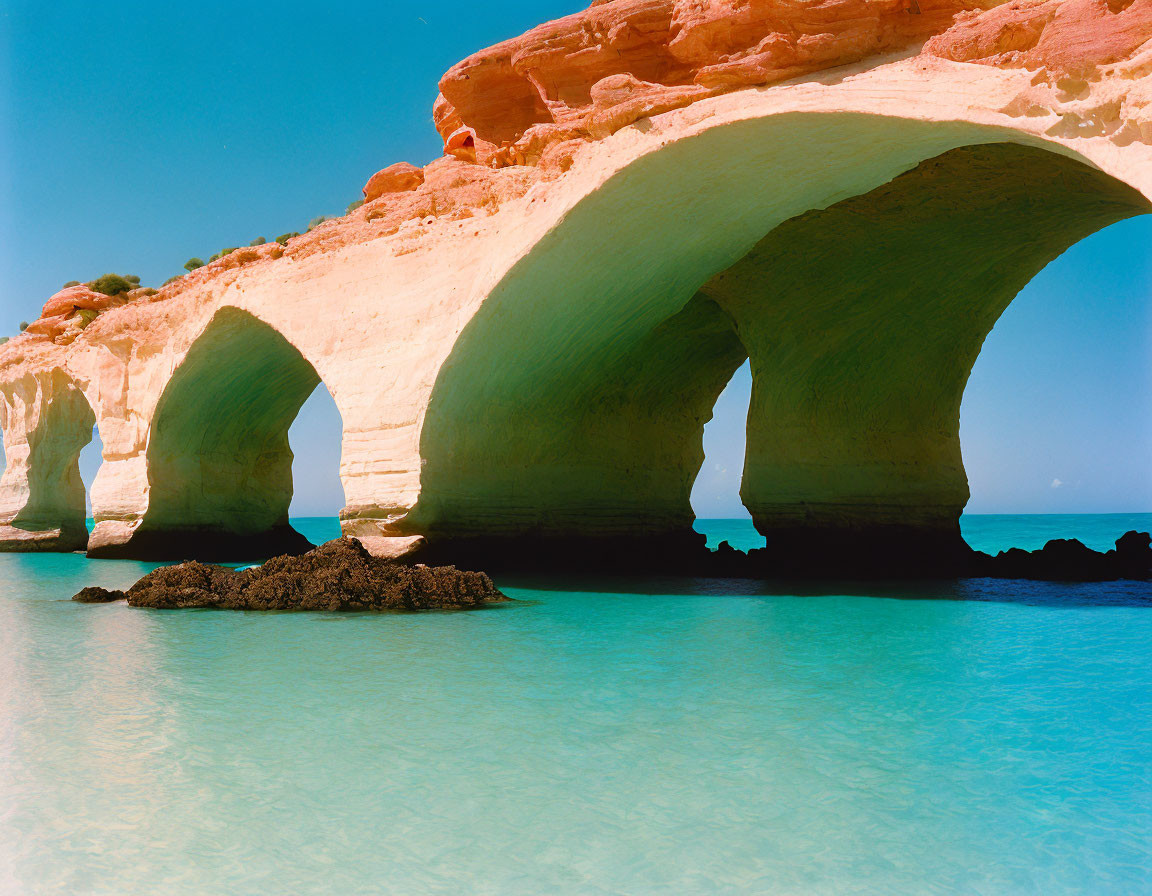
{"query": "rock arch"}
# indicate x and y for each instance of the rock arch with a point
(860, 260)
(47, 421)
(864, 321)
(613, 450)
(525, 335)
(218, 459)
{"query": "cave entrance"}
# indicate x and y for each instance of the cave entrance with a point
(220, 465)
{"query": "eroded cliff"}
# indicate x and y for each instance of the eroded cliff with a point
(500, 328)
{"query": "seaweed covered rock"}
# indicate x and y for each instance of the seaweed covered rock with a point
(191, 584)
(95, 595)
(338, 576)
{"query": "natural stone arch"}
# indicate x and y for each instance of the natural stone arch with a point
(47, 421)
(864, 321)
(514, 436)
(615, 454)
(218, 459)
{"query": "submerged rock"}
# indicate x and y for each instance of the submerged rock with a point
(338, 576)
(95, 595)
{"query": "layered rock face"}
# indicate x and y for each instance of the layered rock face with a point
(595, 72)
(590, 74)
(526, 336)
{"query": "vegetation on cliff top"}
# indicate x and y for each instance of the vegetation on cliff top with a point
(115, 284)
(121, 284)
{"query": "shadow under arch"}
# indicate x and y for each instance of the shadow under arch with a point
(858, 260)
(219, 461)
(47, 423)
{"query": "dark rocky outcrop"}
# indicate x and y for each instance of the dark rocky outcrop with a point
(1066, 559)
(93, 595)
(207, 544)
(343, 576)
(338, 576)
(886, 555)
(1059, 560)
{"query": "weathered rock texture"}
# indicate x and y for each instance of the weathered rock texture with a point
(525, 337)
(340, 576)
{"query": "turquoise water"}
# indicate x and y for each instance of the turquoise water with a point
(596, 738)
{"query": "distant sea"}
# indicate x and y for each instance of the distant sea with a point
(596, 737)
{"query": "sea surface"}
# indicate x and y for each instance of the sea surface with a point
(595, 737)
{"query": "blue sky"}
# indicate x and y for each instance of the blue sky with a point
(136, 135)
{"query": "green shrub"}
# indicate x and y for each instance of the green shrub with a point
(259, 241)
(3, 339)
(318, 220)
(133, 279)
(149, 291)
(192, 263)
(71, 283)
(114, 284)
(173, 279)
(284, 237)
(23, 325)
(355, 205)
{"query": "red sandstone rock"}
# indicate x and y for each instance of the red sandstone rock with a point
(397, 178)
(1070, 37)
(620, 100)
(461, 144)
(47, 325)
(444, 116)
(547, 76)
(76, 298)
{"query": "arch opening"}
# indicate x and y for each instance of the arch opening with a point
(720, 513)
(90, 460)
(1056, 417)
(624, 451)
(317, 490)
(864, 321)
(219, 459)
(862, 318)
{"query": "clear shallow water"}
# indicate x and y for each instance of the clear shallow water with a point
(694, 738)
